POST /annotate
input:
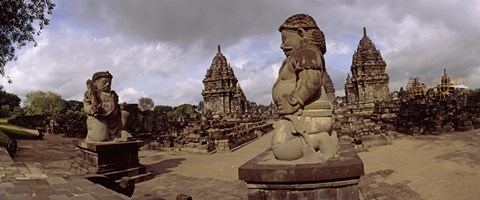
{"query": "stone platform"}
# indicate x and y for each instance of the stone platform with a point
(268, 178)
(29, 180)
(112, 159)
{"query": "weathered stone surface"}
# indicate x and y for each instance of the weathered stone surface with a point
(112, 159)
(368, 81)
(20, 182)
(348, 165)
(337, 178)
(304, 130)
(222, 93)
(445, 108)
(106, 120)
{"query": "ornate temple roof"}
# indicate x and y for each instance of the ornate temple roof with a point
(219, 67)
(367, 52)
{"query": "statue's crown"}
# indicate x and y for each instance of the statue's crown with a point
(98, 75)
(299, 21)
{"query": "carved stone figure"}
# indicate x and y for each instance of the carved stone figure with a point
(105, 121)
(305, 128)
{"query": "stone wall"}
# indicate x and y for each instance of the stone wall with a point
(436, 115)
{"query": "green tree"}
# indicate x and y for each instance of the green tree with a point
(73, 106)
(163, 109)
(43, 103)
(8, 102)
(5, 111)
(145, 103)
(184, 109)
(18, 22)
(17, 111)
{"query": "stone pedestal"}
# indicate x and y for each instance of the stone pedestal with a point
(268, 178)
(112, 159)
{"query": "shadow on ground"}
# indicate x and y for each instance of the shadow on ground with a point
(373, 186)
(464, 143)
(163, 167)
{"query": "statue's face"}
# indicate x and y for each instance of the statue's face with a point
(290, 41)
(103, 84)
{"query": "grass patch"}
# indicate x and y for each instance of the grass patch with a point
(3, 139)
(15, 132)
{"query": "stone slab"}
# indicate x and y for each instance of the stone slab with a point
(107, 146)
(269, 179)
(348, 166)
(112, 159)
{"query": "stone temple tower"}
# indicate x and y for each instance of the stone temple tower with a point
(222, 93)
(368, 81)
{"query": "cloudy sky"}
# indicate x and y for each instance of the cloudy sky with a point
(162, 49)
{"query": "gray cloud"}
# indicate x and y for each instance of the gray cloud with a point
(162, 49)
(209, 22)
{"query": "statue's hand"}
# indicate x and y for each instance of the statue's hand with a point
(287, 105)
(95, 110)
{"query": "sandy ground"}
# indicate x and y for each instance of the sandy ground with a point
(221, 166)
(436, 167)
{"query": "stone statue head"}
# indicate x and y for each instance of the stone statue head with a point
(102, 81)
(306, 28)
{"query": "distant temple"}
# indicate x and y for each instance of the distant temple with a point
(369, 80)
(446, 86)
(222, 93)
(415, 87)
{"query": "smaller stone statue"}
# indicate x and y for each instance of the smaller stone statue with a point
(106, 120)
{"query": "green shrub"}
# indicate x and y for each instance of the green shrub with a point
(3, 139)
(15, 132)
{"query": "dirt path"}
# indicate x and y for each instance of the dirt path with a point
(437, 167)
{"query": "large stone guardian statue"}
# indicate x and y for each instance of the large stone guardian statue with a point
(104, 122)
(305, 128)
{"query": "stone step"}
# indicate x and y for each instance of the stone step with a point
(137, 173)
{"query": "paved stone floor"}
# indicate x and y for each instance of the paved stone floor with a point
(27, 180)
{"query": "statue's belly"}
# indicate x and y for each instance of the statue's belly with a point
(282, 87)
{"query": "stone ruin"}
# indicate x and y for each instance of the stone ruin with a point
(222, 93)
(228, 120)
(369, 115)
(365, 130)
(444, 108)
(215, 135)
(357, 115)
(369, 80)
(447, 107)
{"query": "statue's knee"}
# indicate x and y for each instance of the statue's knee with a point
(289, 150)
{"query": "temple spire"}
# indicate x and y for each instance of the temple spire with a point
(219, 51)
(364, 32)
